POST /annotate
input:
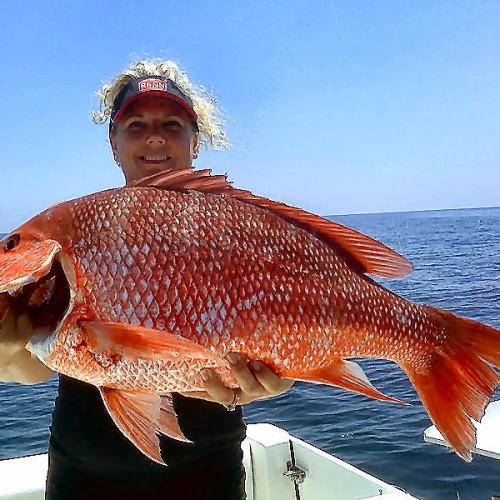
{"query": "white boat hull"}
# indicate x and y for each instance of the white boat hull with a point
(272, 473)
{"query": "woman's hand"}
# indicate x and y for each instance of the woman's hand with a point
(14, 334)
(255, 380)
(16, 363)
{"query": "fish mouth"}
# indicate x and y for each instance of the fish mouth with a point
(47, 302)
(54, 296)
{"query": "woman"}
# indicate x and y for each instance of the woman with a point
(157, 121)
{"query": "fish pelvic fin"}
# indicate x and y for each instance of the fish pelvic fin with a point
(455, 382)
(168, 423)
(363, 253)
(138, 342)
(348, 375)
(140, 415)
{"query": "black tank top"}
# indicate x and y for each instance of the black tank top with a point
(84, 436)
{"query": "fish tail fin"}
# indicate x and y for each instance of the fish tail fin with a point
(455, 381)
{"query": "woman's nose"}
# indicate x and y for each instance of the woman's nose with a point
(155, 138)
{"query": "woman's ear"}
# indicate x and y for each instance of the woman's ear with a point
(114, 150)
(196, 147)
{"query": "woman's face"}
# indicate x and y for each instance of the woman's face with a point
(154, 134)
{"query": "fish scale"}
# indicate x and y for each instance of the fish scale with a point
(169, 275)
(185, 272)
(186, 268)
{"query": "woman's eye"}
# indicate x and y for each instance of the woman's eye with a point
(172, 124)
(135, 124)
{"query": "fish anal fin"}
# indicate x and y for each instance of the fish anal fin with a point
(139, 415)
(348, 375)
(138, 342)
(365, 254)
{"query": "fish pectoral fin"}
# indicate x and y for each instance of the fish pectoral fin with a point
(138, 342)
(348, 375)
(140, 415)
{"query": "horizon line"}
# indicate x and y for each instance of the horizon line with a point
(412, 211)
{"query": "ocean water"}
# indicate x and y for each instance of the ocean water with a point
(456, 256)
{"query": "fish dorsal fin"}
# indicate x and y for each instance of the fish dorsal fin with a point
(364, 253)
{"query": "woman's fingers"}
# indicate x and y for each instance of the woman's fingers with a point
(250, 386)
(272, 383)
(14, 333)
(216, 389)
(16, 363)
(255, 381)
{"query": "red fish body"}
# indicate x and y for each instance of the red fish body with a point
(139, 288)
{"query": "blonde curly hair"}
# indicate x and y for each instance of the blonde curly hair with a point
(210, 122)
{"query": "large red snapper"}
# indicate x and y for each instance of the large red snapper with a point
(136, 289)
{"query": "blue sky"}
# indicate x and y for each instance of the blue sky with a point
(334, 106)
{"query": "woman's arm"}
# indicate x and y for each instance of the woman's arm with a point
(16, 363)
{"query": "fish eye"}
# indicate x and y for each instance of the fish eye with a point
(12, 242)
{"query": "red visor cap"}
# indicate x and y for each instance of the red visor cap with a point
(147, 87)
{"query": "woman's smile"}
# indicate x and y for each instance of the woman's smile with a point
(154, 159)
